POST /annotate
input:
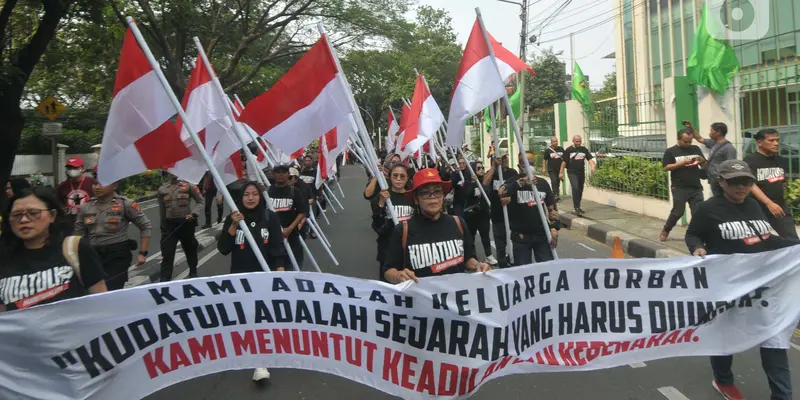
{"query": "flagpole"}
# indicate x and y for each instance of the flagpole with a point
(327, 188)
(248, 155)
(362, 128)
(493, 127)
(187, 124)
(517, 136)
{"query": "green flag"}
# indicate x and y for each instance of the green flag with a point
(712, 62)
(580, 88)
(514, 100)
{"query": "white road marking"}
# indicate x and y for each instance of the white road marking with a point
(637, 365)
(671, 393)
(585, 246)
(185, 274)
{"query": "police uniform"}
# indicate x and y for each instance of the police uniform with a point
(105, 224)
(174, 203)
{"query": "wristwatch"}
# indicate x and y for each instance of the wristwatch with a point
(144, 253)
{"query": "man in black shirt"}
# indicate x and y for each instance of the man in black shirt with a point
(733, 223)
(770, 171)
(552, 164)
(492, 178)
(291, 207)
(527, 228)
(683, 161)
(573, 160)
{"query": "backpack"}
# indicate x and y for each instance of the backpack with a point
(69, 247)
(405, 237)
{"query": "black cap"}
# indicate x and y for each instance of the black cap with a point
(281, 167)
(731, 169)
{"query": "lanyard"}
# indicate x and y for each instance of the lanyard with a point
(80, 185)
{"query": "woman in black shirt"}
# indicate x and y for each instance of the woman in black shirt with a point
(735, 223)
(37, 270)
(430, 243)
(476, 211)
(266, 228)
(402, 206)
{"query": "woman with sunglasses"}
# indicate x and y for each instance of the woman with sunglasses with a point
(476, 211)
(430, 243)
(402, 206)
(733, 223)
(37, 270)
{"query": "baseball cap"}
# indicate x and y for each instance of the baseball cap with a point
(75, 162)
(294, 171)
(427, 176)
(731, 169)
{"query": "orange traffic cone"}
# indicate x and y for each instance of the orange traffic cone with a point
(616, 251)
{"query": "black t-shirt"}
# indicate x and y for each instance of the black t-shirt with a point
(266, 230)
(553, 157)
(305, 188)
(288, 201)
(382, 223)
(770, 175)
(41, 276)
(686, 177)
(309, 176)
(575, 157)
(523, 214)
(722, 227)
(497, 208)
(432, 247)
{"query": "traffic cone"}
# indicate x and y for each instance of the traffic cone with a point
(616, 251)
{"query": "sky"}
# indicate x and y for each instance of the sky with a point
(503, 22)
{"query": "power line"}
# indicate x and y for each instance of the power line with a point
(598, 47)
(588, 28)
(574, 12)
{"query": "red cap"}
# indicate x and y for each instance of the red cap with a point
(429, 175)
(76, 162)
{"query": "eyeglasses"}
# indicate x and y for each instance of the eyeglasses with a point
(33, 214)
(432, 194)
(399, 176)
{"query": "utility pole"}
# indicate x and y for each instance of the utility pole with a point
(523, 46)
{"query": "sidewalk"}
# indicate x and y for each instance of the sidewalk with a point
(639, 233)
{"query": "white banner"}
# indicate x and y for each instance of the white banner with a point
(443, 337)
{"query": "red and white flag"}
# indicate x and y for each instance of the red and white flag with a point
(207, 114)
(404, 113)
(394, 129)
(308, 101)
(139, 135)
(424, 118)
(477, 82)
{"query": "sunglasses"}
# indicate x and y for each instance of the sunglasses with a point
(431, 194)
(33, 214)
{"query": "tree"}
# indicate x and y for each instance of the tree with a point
(381, 78)
(549, 85)
(609, 87)
(26, 29)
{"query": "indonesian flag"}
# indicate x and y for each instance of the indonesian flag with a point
(207, 114)
(402, 133)
(391, 137)
(477, 83)
(336, 141)
(238, 106)
(309, 100)
(424, 118)
(139, 135)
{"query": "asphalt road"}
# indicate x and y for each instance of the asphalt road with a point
(354, 245)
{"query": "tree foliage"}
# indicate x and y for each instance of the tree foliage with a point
(381, 77)
(549, 85)
(609, 89)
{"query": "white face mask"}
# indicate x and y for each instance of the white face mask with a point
(73, 173)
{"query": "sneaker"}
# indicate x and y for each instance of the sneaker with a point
(729, 392)
(260, 374)
(579, 212)
(491, 260)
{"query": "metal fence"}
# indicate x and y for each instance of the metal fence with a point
(628, 138)
(769, 97)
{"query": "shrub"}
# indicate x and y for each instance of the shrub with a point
(633, 175)
(792, 196)
(140, 185)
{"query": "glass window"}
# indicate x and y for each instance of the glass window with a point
(749, 54)
(667, 70)
(654, 47)
(688, 33)
(677, 43)
(679, 68)
(657, 74)
(780, 9)
(666, 47)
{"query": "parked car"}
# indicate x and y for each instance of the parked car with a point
(650, 147)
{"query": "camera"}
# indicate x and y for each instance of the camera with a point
(738, 19)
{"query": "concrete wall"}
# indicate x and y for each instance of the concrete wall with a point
(638, 204)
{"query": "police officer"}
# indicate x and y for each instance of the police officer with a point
(104, 221)
(178, 222)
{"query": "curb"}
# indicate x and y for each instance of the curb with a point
(632, 245)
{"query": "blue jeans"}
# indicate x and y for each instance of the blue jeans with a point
(775, 363)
